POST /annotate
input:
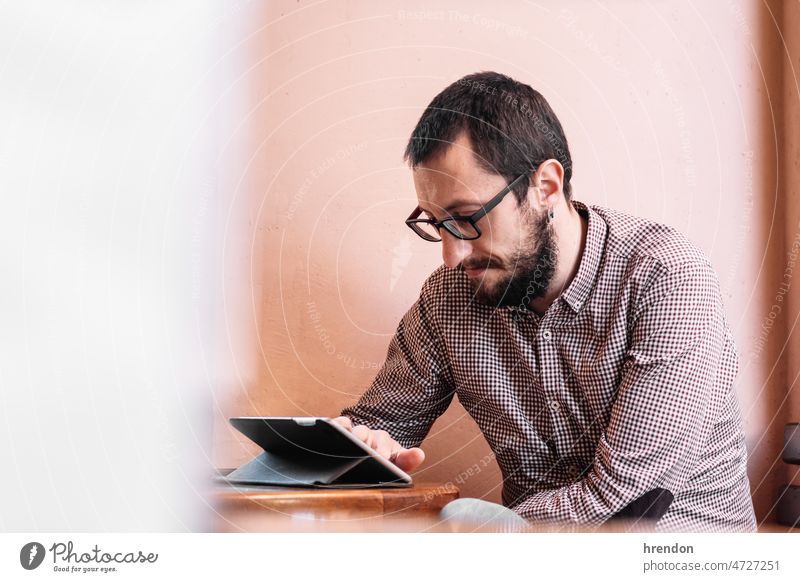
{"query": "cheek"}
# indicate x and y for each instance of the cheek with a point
(506, 230)
(501, 242)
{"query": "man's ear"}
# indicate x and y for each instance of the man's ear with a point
(548, 180)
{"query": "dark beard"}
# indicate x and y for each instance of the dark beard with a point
(529, 273)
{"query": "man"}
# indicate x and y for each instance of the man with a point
(591, 347)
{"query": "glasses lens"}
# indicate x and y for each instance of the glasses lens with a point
(426, 230)
(461, 228)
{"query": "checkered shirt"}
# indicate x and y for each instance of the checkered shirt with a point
(624, 385)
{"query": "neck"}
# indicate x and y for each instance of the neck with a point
(570, 233)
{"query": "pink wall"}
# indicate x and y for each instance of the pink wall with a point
(790, 263)
(671, 112)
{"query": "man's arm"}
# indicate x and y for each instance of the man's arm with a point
(665, 406)
(413, 387)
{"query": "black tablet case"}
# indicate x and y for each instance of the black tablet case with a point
(308, 452)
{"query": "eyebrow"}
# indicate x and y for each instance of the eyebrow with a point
(455, 204)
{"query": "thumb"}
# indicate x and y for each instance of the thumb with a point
(409, 459)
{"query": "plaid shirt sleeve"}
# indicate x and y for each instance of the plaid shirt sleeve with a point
(665, 405)
(413, 387)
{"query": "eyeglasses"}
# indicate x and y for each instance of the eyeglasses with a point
(462, 227)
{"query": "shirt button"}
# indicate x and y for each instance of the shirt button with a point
(554, 405)
(573, 471)
(547, 334)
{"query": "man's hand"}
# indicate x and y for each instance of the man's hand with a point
(385, 445)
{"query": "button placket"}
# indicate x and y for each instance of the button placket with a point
(546, 351)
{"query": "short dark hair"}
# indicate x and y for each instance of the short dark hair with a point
(510, 125)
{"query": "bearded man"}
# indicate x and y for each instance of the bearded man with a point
(591, 347)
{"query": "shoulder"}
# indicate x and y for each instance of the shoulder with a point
(643, 241)
(656, 260)
(446, 284)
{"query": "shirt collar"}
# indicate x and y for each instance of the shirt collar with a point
(578, 291)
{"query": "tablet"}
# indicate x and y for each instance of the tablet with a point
(311, 452)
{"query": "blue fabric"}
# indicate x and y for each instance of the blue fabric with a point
(478, 513)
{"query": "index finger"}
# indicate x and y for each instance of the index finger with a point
(343, 421)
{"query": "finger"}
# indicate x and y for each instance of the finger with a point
(384, 444)
(409, 459)
(364, 433)
(343, 421)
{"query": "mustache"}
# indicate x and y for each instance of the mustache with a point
(480, 264)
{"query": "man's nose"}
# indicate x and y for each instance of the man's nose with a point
(454, 250)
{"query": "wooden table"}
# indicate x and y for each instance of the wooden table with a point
(261, 508)
(242, 508)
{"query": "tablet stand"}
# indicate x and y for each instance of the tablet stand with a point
(306, 453)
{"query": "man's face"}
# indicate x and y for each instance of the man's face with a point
(514, 259)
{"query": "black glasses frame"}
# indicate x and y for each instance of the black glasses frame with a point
(449, 223)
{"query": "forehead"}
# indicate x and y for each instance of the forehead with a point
(453, 178)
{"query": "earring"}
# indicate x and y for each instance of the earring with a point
(550, 214)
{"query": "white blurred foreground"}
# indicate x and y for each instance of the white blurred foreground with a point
(108, 194)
